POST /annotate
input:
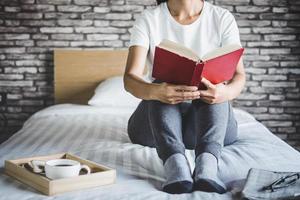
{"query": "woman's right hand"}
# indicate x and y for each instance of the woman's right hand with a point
(173, 94)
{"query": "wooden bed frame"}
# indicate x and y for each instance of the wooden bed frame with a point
(78, 72)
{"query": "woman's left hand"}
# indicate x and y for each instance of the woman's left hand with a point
(215, 93)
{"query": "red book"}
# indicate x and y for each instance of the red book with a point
(177, 64)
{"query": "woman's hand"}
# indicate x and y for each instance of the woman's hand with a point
(214, 93)
(173, 94)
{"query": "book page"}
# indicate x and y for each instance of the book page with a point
(178, 49)
(221, 51)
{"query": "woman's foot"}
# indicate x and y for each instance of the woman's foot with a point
(179, 187)
(205, 174)
(178, 175)
(208, 185)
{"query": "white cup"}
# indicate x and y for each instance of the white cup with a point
(59, 168)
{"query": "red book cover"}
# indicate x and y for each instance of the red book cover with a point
(172, 67)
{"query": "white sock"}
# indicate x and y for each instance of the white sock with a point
(206, 166)
(177, 168)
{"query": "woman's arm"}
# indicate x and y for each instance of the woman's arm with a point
(164, 92)
(135, 65)
(219, 93)
(237, 83)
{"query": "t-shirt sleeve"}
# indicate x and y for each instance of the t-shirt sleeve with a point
(229, 31)
(139, 32)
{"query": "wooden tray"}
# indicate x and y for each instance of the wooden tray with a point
(100, 175)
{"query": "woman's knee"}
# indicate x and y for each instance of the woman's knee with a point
(200, 103)
(158, 109)
(130, 129)
(138, 127)
(231, 133)
(150, 104)
(139, 135)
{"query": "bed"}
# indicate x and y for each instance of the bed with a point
(99, 133)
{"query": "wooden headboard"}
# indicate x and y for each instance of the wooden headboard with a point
(78, 72)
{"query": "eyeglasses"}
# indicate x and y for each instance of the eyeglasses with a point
(282, 182)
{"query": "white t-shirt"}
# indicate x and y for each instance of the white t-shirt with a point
(214, 27)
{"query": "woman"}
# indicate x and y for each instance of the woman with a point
(171, 117)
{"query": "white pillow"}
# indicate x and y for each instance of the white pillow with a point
(111, 92)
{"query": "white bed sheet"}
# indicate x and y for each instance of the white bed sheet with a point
(99, 134)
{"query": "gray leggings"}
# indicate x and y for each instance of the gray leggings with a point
(172, 128)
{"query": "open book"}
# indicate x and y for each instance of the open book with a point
(177, 64)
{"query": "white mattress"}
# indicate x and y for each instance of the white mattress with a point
(99, 134)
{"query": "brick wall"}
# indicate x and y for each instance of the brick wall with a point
(30, 29)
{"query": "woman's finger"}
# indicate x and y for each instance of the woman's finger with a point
(187, 94)
(207, 83)
(174, 99)
(206, 97)
(176, 102)
(207, 100)
(205, 94)
(186, 87)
